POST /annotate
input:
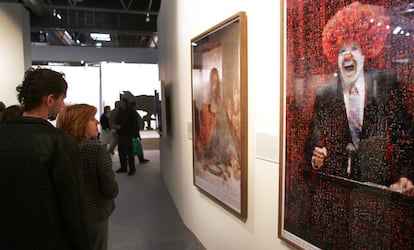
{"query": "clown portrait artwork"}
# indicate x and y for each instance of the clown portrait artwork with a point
(348, 151)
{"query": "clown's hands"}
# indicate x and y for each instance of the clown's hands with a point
(318, 157)
(403, 185)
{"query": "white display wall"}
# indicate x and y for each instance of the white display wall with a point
(102, 84)
(139, 79)
(217, 228)
(14, 49)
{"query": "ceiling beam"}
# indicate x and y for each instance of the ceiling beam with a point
(121, 11)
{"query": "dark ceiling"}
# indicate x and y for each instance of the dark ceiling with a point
(130, 23)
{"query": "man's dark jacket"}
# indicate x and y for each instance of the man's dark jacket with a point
(40, 188)
(382, 156)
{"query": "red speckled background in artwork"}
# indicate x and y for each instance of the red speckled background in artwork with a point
(327, 214)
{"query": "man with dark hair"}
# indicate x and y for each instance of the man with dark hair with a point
(113, 116)
(106, 133)
(126, 123)
(41, 180)
(2, 108)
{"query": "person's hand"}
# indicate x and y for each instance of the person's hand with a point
(318, 157)
(213, 108)
(403, 185)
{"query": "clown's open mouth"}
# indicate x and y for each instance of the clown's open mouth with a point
(349, 68)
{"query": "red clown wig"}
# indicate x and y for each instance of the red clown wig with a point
(363, 24)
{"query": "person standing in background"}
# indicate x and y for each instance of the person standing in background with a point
(41, 181)
(101, 187)
(106, 133)
(113, 116)
(126, 122)
(11, 112)
(136, 134)
(2, 108)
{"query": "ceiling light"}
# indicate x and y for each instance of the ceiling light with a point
(56, 14)
(68, 35)
(101, 37)
(148, 19)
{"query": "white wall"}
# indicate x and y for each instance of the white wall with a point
(14, 49)
(139, 79)
(180, 21)
(103, 83)
(83, 84)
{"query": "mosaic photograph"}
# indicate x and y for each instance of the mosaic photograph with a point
(347, 158)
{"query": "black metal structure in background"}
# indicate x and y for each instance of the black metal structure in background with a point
(130, 23)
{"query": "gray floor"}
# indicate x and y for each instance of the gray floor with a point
(145, 217)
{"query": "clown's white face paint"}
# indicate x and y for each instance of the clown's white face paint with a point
(351, 63)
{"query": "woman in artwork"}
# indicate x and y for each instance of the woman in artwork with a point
(216, 143)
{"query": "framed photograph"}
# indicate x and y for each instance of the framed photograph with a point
(346, 148)
(162, 106)
(219, 105)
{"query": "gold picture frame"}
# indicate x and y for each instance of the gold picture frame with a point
(219, 59)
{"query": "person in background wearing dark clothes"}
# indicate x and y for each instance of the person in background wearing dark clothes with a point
(141, 123)
(106, 133)
(41, 180)
(126, 122)
(136, 134)
(101, 187)
(2, 108)
(113, 116)
(11, 112)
